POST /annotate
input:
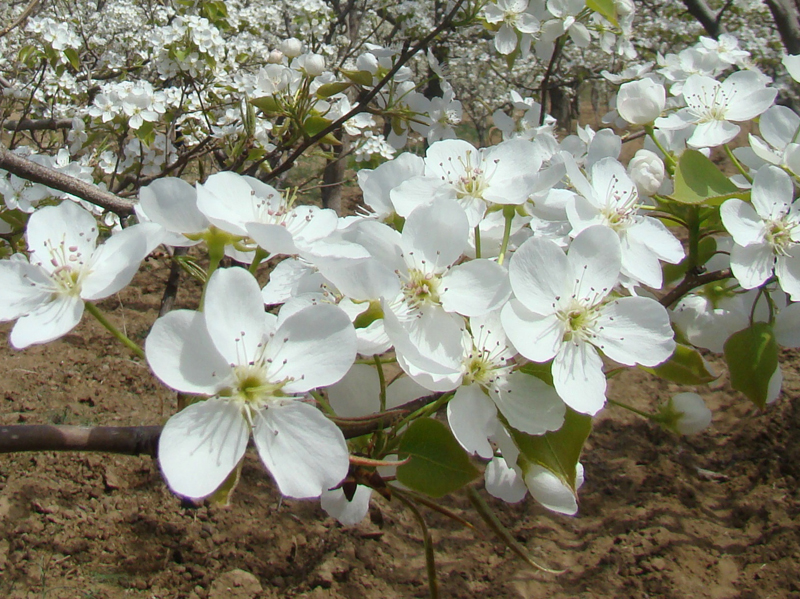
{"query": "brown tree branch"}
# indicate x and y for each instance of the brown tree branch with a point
(787, 20)
(27, 169)
(143, 440)
(38, 125)
(693, 282)
(705, 16)
(128, 440)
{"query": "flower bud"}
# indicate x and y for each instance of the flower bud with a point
(641, 102)
(646, 169)
(291, 47)
(686, 414)
(312, 64)
(275, 57)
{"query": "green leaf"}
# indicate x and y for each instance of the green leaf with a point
(752, 357)
(699, 181)
(362, 78)
(267, 104)
(326, 90)
(606, 8)
(146, 133)
(558, 451)
(438, 465)
(314, 124)
(540, 371)
(29, 55)
(685, 366)
(71, 54)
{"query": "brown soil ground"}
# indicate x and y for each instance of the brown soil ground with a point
(714, 516)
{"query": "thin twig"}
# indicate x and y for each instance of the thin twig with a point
(363, 103)
(20, 19)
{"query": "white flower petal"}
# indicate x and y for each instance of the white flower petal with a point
(635, 330)
(752, 265)
(536, 337)
(504, 482)
(472, 418)
(435, 236)
(66, 226)
(172, 203)
(787, 268)
(113, 264)
(21, 288)
(772, 192)
(48, 322)
(538, 274)
(550, 491)
(312, 348)
(529, 404)
(304, 451)
(347, 512)
(742, 222)
(475, 288)
(183, 356)
(357, 394)
(578, 377)
(234, 314)
(594, 261)
(276, 239)
(201, 445)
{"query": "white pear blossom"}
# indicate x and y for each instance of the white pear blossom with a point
(256, 372)
(711, 106)
(612, 200)
(766, 232)
(561, 312)
(489, 384)
(475, 178)
(514, 16)
(66, 267)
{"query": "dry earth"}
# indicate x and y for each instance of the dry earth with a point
(714, 516)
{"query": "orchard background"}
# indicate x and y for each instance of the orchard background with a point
(105, 103)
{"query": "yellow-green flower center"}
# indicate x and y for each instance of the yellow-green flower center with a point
(422, 288)
(252, 387)
(578, 321)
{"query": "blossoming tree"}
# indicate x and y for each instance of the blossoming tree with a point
(465, 321)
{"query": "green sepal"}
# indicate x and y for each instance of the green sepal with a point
(222, 496)
(438, 464)
(685, 367)
(371, 314)
(752, 358)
